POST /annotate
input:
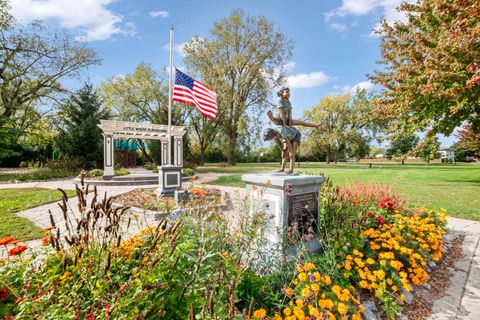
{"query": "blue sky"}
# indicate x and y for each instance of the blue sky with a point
(334, 47)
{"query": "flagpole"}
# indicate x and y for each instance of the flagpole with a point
(170, 93)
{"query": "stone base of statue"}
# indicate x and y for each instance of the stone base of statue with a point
(169, 180)
(291, 204)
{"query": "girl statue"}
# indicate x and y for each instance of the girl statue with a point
(288, 133)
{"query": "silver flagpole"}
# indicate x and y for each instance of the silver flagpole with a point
(170, 94)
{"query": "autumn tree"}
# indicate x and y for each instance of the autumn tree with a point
(241, 63)
(344, 126)
(432, 67)
(469, 141)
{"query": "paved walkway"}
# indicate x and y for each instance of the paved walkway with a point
(461, 301)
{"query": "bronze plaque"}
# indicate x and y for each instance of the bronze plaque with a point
(303, 212)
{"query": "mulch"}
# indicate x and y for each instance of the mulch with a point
(439, 282)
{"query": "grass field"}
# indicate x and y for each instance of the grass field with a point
(15, 200)
(453, 187)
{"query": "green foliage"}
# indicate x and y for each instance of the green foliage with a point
(402, 146)
(469, 141)
(343, 121)
(230, 62)
(79, 134)
(431, 71)
(95, 173)
(428, 149)
(121, 172)
(189, 172)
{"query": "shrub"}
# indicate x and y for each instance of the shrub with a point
(95, 173)
(189, 172)
(121, 172)
(149, 166)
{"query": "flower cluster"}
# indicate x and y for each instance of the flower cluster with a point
(315, 296)
(394, 255)
(128, 246)
(15, 251)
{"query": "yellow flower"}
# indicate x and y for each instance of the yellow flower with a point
(370, 261)
(336, 289)
(299, 313)
(309, 266)
(260, 313)
(325, 303)
(317, 276)
(356, 316)
(327, 280)
(315, 287)
(302, 276)
(299, 268)
(342, 308)
(287, 311)
(299, 303)
(306, 292)
(289, 291)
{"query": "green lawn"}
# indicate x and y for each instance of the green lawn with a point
(15, 200)
(453, 187)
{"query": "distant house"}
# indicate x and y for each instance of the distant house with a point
(447, 155)
(379, 156)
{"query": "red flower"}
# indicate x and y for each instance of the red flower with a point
(6, 240)
(371, 215)
(19, 300)
(386, 203)
(380, 220)
(45, 241)
(17, 250)
(48, 228)
(4, 293)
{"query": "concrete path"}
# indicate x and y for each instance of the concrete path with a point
(462, 299)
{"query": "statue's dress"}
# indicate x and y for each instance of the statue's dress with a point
(286, 132)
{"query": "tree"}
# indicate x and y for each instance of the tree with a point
(143, 96)
(5, 16)
(344, 123)
(432, 71)
(428, 149)
(376, 151)
(241, 63)
(32, 64)
(469, 141)
(79, 134)
(401, 146)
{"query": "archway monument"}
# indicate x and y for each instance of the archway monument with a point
(169, 172)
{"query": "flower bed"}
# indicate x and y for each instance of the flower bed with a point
(196, 267)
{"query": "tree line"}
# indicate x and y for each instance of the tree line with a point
(429, 84)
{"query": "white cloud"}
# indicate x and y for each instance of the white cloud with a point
(178, 48)
(386, 8)
(339, 27)
(307, 80)
(91, 17)
(364, 85)
(161, 14)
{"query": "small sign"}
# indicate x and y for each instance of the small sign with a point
(303, 212)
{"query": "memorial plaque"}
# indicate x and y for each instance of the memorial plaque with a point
(303, 212)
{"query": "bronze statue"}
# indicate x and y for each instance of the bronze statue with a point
(288, 138)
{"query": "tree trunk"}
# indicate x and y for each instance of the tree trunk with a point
(328, 155)
(202, 154)
(232, 143)
(149, 159)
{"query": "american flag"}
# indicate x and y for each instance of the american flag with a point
(195, 93)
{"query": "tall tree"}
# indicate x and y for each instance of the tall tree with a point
(5, 16)
(241, 62)
(33, 61)
(402, 146)
(344, 122)
(469, 141)
(432, 67)
(428, 149)
(79, 135)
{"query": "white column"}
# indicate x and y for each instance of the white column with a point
(178, 151)
(164, 151)
(108, 152)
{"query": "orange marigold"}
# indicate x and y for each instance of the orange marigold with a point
(6, 240)
(17, 250)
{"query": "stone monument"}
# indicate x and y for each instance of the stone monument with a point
(291, 203)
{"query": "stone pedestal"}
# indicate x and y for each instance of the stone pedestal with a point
(169, 180)
(288, 201)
